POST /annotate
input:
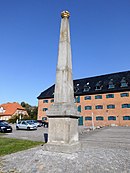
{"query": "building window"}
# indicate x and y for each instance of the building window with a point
(124, 82)
(124, 94)
(79, 108)
(99, 118)
(45, 101)
(98, 85)
(99, 107)
(126, 117)
(44, 118)
(111, 118)
(110, 106)
(76, 88)
(45, 109)
(88, 118)
(52, 100)
(111, 84)
(125, 105)
(86, 87)
(77, 99)
(110, 96)
(87, 98)
(98, 97)
(88, 107)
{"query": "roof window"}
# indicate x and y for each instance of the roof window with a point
(111, 85)
(124, 83)
(76, 88)
(98, 85)
(86, 87)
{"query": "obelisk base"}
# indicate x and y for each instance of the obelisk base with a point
(63, 134)
(62, 148)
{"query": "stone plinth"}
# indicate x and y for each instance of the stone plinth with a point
(63, 128)
(62, 148)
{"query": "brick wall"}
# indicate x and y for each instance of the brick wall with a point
(118, 112)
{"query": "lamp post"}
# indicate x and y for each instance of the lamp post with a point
(107, 118)
(92, 122)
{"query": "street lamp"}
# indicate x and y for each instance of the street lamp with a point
(92, 122)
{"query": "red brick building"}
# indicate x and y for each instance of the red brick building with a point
(104, 100)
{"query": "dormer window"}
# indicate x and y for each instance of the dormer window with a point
(111, 85)
(2, 110)
(124, 83)
(98, 86)
(86, 87)
(76, 89)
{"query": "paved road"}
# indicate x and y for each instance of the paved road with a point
(102, 151)
(34, 135)
(112, 137)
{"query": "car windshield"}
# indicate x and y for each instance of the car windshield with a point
(29, 122)
(3, 123)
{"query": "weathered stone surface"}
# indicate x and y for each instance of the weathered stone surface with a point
(63, 115)
(63, 110)
(63, 130)
(62, 148)
(64, 82)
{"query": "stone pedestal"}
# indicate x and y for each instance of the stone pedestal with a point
(63, 128)
(63, 148)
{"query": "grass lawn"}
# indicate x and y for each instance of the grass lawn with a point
(8, 145)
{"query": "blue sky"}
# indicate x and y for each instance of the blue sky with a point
(29, 35)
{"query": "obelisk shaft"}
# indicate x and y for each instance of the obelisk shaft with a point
(64, 81)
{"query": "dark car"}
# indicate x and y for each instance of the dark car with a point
(5, 127)
(40, 123)
(45, 123)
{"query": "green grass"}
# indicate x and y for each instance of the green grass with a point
(8, 146)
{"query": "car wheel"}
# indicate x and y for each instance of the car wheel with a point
(28, 128)
(2, 131)
(17, 128)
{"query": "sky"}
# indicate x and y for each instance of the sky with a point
(29, 36)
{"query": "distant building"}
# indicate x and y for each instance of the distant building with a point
(7, 110)
(104, 99)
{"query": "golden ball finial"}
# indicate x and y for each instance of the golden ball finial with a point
(65, 14)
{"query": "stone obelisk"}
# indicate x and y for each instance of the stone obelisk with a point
(63, 115)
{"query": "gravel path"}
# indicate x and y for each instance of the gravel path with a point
(103, 151)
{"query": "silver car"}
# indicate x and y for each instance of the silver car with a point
(34, 122)
(26, 125)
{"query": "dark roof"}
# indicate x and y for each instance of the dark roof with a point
(114, 82)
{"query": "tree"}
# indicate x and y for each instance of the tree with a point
(31, 110)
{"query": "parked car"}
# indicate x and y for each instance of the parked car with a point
(35, 122)
(26, 125)
(5, 127)
(40, 123)
(45, 123)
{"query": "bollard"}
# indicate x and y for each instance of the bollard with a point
(45, 137)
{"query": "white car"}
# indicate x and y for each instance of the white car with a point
(34, 122)
(26, 125)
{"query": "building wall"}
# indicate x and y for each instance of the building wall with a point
(41, 105)
(118, 112)
(6, 118)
